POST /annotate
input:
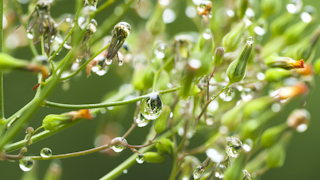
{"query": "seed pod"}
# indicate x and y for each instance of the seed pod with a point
(299, 120)
(218, 56)
(233, 117)
(276, 154)
(279, 25)
(237, 69)
(270, 136)
(161, 122)
(235, 171)
(192, 67)
(165, 145)
(283, 62)
(242, 8)
(306, 49)
(205, 57)
(155, 24)
(255, 107)
(277, 74)
(154, 157)
(232, 39)
(270, 7)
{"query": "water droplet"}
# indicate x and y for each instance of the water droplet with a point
(168, 16)
(220, 170)
(125, 171)
(141, 121)
(26, 164)
(160, 49)
(108, 61)
(228, 94)
(246, 175)
(294, 6)
(46, 152)
(246, 94)
(164, 2)
(189, 133)
(119, 147)
(250, 40)
(207, 34)
(194, 63)
(209, 121)
(308, 15)
(233, 147)
(120, 62)
(247, 145)
(103, 111)
(197, 173)
(191, 12)
(140, 159)
(151, 107)
(30, 36)
(214, 155)
(276, 107)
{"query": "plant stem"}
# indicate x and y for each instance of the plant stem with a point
(1, 73)
(104, 6)
(102, 105)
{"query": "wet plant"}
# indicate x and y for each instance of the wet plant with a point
(226, 81)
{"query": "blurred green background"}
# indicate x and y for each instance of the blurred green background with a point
(302, 161)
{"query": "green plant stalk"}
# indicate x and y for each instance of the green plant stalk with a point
(110, 22)
(1, 73)
(156, 74)
(103, 105)
(104, 6)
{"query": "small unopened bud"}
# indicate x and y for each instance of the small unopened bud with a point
(272, 135)
(256, 106)
(233, 117)
(232, 39)
(165, 145)
(242, 8)
(279, 25)
(161, 122)
(292, 91)
(276, 154)
(192, 67)
(24, 149)
(306, 49)
(53, 121)
(155, 24)
(283, 62)
(270, 7)
(154, 157)
(237, 69)
(277, 74)
(218, 56)
(29, 130)
(299, 120)
(204, 8)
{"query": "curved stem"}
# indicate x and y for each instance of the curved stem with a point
(104, 6)
(84, 65)
(102, 105)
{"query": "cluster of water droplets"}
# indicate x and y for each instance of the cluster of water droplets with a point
(233, 147)
(151, 106)
(228, 94)
(46, 152)
(26, 164)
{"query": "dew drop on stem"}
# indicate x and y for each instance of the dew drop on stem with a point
(140, 159)
(228, 94)
(119, 143)
(197, 173)
(250, 40)
(26, 164)
(142, 121)
(233, 147)
(46, 152)
(151, 107)
(246, 94)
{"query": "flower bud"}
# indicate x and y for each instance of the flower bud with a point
(161, 122)
(283, 62)
(53, 121)
(279, 25)
(292, 91)
(276, 154)
(306, 49)
(204, 8)
(192, 67)
(233, 117)
(232, 39)
(237, 68)
(299, 120)
(277, 74)
(270, 7)
(218, 56)
(256, 106)
(155, 24)
(165, 145)
(272, 135)
(29, 130)
(154, 157)
(242, 8)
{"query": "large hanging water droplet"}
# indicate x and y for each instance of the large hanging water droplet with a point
(108, 61)
(141, 121)
(246, 175)
(26, 164)
(228, 94)
(119, 147)
(151, 107)
(250, 40)
(220, 170)
(246, 94)
(46, 152)
(97, 69)
(120, 62)
(233, 147)
(197, 173)
(140, 159)
(160, 49)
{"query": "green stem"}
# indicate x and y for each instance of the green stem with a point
(111, 21)
(84, 65)
(156, 74)
(104, 6)
(1, 73)
(103, 105)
